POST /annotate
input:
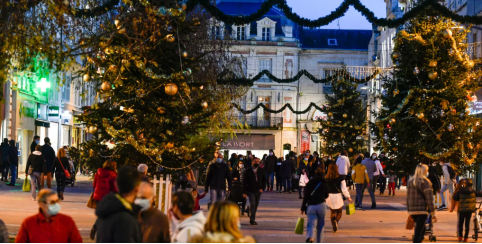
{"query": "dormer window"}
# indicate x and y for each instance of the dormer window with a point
(266, 34)
(332, 42)
(266, 29)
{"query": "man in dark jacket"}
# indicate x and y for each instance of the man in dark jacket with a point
(35, 142)
(49, 155)
(13, 161)
(277, 167)
(154, 223)
(433, 177)
(216, 179)
(314, 164)
(254, 183)
(4, 165)
(286, 172)
(117, 217)
(233, 160)
(269, 165)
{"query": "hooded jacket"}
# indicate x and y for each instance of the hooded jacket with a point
(192, 226)
(49, 155)
(343, 164)
(4, 151)
(104, 183)
(36, 160)
(116, 221)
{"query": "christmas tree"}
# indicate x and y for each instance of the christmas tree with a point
(425, 112)
(345, 124)
(158, 102)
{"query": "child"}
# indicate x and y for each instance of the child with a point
(392, 179)
(466, 199)
(197, 197)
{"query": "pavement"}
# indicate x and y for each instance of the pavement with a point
(277, 216)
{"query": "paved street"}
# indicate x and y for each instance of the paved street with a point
(276, 217)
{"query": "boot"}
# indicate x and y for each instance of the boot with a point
(61, 196)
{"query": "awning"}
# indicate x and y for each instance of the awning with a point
(42, 123)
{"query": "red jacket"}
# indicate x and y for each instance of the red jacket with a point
(104, 183)
(196, 201)
(60, 228)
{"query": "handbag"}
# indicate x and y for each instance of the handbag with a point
(350, 209)
(300, 226)
(410, 223)
(92, 203)
(26, 185)
(66, 172)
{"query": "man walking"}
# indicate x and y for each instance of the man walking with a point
(35, 142)
(269, 166)
(449, 180)
(254, 183)
(286, 172)
(343, 164)
(13, 162)
(154, 224)
(5, 167)
(216, 179)
(371, 168)
(49, 154)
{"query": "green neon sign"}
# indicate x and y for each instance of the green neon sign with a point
(43, 84)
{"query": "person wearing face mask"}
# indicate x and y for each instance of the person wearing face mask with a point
(48, 225)
(154, 223)
(343, 164)
(184, 222)
(216, 179)
(303, 168)
(286, 172)
(248, 160)
(239, 168)
(270, 164)
(254, 182)
(35, 142)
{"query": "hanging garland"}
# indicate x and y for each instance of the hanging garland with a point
(261, 105)
(337, 74)
(339, 12)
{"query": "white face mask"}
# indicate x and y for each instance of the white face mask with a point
(270, 154)
(219, 160)
(240, 159)
(144, 203)
(306, 159)
(373, 157)
(53, 209)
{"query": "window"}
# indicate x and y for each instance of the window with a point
(266, 34)
(240, 33)
(216, 32)
(332, 42)
(265, 64)
(327, 88)
(66, 89)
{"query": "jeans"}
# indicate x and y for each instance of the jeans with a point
(34, 180)
(60, 177)
(287, 183)
(49, 180)
(419, 227)
(400, 182)
(253, 204)
(359, 194)
(278, 182)
(464, 217)
(269, 180)
(383, 183)
(217, 195)
(13, 173)
(316, 212)
(5, 169)
(371, 191)
(374, 182)
(446, 187)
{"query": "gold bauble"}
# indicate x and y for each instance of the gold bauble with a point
(204, 104)
(170, 38)
(395, 149)
(105, 86)
(345, 116)
(330, 114)
(339, 122)
(392, 121)
(171, 89)
(351, 126)
(450, 127)
(117, 22)
(447, 33)
(433, 63)
(170, 145)
(350, 150)
(432, 75)
(86, 77)
(184, 54)
(161, 110)
(92, 129)
(395, 55)
(420, 115)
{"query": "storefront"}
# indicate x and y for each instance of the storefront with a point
(25, 127)
(257, 144)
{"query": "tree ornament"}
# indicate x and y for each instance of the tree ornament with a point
(351, 126)
(447, 33)
(184, 6)
(420, 115)
(450, 127)
(106, 86)
(117, 22)
(395, 55)
(467, 111)
(92, 129)
(185, 120)
(339, 122)
(350, 150)
(86, 77)
(432, 63)
(170, 38)
(392, 121)
(184, 54)
(442, 113)
(171, 89)
(345, 116)
(395, 92)
(204, 104)
(330, 114)
(416, 71)
(187, 72)
(432, 75)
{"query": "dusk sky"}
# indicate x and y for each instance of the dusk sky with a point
(313, 9)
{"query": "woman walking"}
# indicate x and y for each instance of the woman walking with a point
(336, 188)
(239, 168)
(61, 163)
(316, 193)
(419, 199)
(34, 168)
(105, 180)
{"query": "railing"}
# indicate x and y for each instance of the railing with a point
(474, 50)
(255, 122)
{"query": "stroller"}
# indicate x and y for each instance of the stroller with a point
(71, 180)
(429, 229)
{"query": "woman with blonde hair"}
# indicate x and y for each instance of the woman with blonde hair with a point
(222, 225)
(419, 200)
(61, 163)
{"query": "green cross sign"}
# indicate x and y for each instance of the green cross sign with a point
(43, 84)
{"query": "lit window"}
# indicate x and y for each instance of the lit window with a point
(266, 34)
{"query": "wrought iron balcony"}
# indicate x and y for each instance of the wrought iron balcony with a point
(255, 122)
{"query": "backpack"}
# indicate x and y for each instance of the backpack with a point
(451, 172)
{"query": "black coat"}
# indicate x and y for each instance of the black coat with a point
(115, 222)
(36, 161)
(316, 163)
(319, 196)
(251, 183)
(49, 155)
(32, 147)
(217, 176)
(58, 168)
(13, 155)
(270, 163)
(433, 177)
(287, 168)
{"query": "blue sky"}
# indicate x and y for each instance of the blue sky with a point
(313, 9)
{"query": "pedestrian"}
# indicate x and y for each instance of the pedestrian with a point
(303, 168)
(419, 200)
(222, 226)
(5, 166)
(61, 163)
(233, 160)
(249, 159)
(392, 179)
(371, 168)
(34, 168)
(35, 142)
(49, 154)
(314, 206)
(239, 168)
(383, 178)
(197, 197)
(343, 164)
(216, 179)
(286, 172)
(328, 162)
(253, 185)
(142, 168)
(336, 190)
(270, 164)
(13, 162)
(116, 218)
(314, 164)
(449, 180)
(236, 194)
(105, 180)
(154, 223)
(184, 222)
(48, 225)
(277, 168)
(378, 174)
(466, 199)
(360, 179)
(302, 183)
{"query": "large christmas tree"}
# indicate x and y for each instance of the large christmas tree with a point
(345, 124)
(426, 108)
(158, 102)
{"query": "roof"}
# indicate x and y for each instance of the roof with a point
(345, 39)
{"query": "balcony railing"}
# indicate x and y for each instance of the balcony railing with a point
(474, 50)
(255, 122)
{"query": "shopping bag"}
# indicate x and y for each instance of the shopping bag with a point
(92, 203)
(410, 223)
(300, 226)
(26, 185)
(350, 209)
